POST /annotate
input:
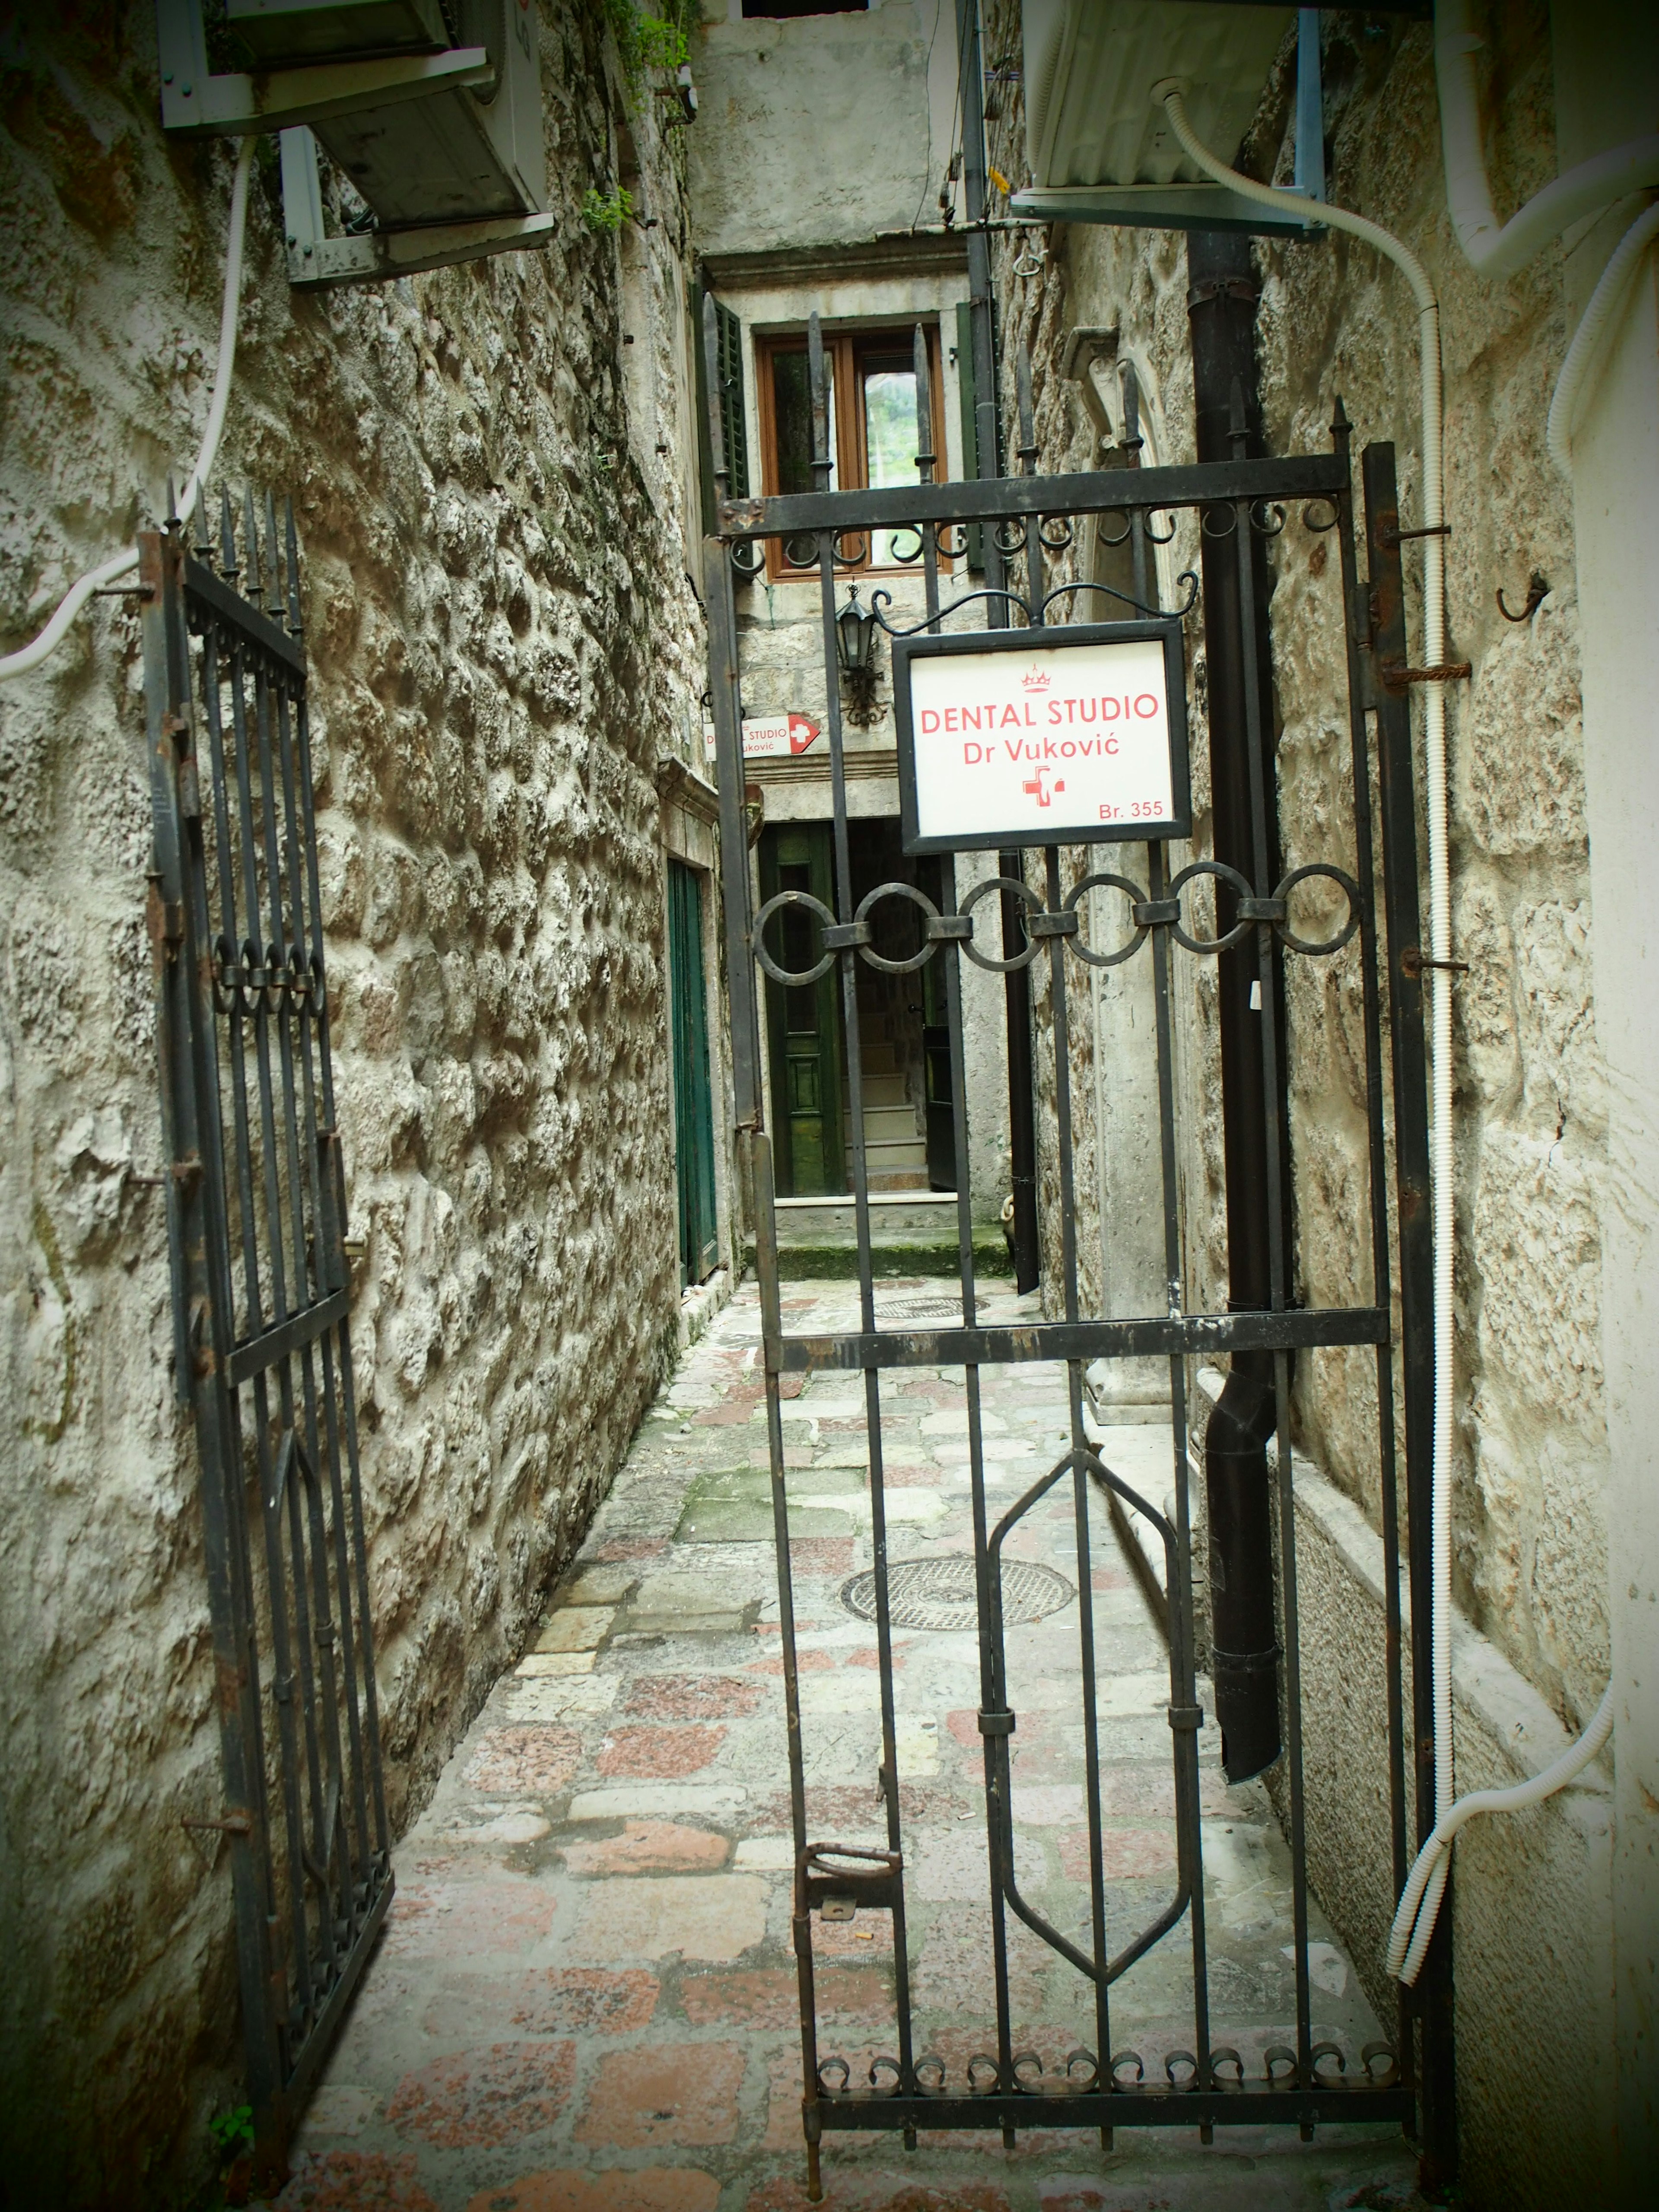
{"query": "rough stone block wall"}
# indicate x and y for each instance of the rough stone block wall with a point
(503, 647)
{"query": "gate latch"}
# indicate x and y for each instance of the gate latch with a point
(834, 1880)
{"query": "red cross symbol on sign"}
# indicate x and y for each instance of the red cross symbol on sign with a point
(1040, 788)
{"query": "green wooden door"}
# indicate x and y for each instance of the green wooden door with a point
(803, 1023)
(694, 1121)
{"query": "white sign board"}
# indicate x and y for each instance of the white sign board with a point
(1077, 738)
(768, 737)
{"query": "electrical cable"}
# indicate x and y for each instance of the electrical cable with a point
(1495, 250)
(1584, 191)
(1575, 380)
(1413, 1924)
(30, 656)
(1167, 93)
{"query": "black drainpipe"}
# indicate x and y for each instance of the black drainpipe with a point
(1221, 308)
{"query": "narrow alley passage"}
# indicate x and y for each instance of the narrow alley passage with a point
(584, 1999)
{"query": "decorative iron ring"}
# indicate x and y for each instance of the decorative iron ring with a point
(1226, 875)
(1125, 952)
(1090, 2077)
(908, 530)
(916, 899)
(829, 2066)
(942, 531)
(276, 977)
(748, 557)
(978, 2066)
(1224, 2055)
(1010, 537)
(1123, 536)
(793, 559)
(1027, 2070)
(1061, 539)
(1326, 2051)
(758, 937)
(253, 971)
(1172, 2059)
(318, 986)
(1261, 528)
(1279, 2055)
(983, 890)
(838, 552)
(297, 982)
(1308, 522)
(882, 2065)
(1120, 2060)
(229, 984)
(1155, 538)
(929, 2075)
(1350, 892)
(1207, 525)
(1387, 2074)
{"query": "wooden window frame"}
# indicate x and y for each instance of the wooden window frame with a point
(844, 348)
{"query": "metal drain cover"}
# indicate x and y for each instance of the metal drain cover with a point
(940, 1593)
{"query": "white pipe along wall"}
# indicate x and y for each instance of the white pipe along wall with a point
(29, 656)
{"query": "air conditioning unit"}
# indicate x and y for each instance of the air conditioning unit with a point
(1100, 151)
(431, 107)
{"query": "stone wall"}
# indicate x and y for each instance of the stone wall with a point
(503, 648)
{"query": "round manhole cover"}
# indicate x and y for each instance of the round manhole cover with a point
(940, 1593)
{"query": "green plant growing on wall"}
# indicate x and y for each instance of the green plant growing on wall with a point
(606, 212)
(649, 42)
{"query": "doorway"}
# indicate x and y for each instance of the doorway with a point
(694, 1122)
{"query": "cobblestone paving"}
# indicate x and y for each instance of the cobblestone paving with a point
(584, 1998)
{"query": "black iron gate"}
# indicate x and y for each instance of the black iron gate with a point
(1028, 518)
(256, 1204)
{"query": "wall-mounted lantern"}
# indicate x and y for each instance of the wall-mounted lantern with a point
(855, 649)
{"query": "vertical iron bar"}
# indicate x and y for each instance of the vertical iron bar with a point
(925, 463)
(1432, 1999)
(1062, 1041)
(1274, 1114)
(1355, 632)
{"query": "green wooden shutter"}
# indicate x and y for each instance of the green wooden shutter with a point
(967, 399)
(734, 421)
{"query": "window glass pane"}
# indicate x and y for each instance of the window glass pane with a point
(889, 430)
(792, 415)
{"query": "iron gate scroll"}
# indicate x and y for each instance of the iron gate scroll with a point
(256, 1204)
(1026, 519)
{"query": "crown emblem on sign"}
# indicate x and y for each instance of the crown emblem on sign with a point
(1035, 679)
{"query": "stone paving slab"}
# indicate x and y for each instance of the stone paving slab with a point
(584, 1999)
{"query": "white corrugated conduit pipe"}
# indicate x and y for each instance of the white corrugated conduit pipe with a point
(1168, 93)
(1577, 378)
(1497, 250)
(1409, 1937)
(31, 655)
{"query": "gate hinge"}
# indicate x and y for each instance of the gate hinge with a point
(235, 1823)
(164, 920)
(1413, 960)
(1396, 675)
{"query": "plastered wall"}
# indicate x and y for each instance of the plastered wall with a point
(503, 648)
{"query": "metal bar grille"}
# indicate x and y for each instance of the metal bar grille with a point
(257, 1215)
(1034, 522)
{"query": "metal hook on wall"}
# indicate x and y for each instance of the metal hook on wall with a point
(1029, 261)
